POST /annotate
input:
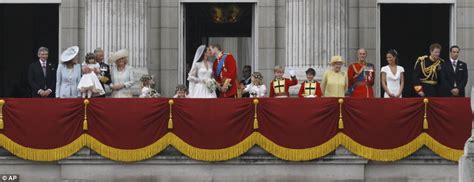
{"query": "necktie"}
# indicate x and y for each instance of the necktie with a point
(43, 65)
(454, 65)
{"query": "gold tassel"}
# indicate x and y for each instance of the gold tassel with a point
(2, 102)
(255, 120)
(170, 121)
(425, 124)
(341, 123)
(84, 124)
(425, 120)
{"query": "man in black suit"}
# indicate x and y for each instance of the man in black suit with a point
(246, 74)
(104, 76)
(42, 76)
(453, 75)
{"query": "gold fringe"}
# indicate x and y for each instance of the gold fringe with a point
(2, 102)
(340, 124)
(298, 154)
(358, 149)
(255, 120)
(128, 155)
(402, 151)
(84, 124)
(213, 154)
(382, 154)
(442, 150)
(425, 120)
(42, 154)
(170, 121)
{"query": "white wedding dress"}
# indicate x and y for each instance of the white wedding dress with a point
(198, 77)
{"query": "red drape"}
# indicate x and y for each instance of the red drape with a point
(449, 121)
(128, 123)
(220, 124)
(298, 123)
(43, 123)
(212, 124)
(383, 123)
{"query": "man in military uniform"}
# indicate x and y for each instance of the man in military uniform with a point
(361, 76)
(427, 72)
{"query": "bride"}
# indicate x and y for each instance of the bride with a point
(200, 75)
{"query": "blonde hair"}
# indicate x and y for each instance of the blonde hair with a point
(278, 68)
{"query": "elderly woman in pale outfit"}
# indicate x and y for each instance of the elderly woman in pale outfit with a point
(68, 74)
(335, 82)
(122, 75)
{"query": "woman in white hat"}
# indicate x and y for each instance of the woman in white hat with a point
(122, 75)
(68, 74)
(335, 82)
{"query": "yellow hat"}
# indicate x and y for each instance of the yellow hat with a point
(336, 59)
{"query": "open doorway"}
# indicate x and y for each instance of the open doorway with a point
(410, 29)
(24, 28)
(227, 24)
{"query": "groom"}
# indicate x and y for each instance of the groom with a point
(225, 72)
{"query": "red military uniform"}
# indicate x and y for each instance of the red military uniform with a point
(310, 88)
(280, 87)
(360, 80)
(225, 73)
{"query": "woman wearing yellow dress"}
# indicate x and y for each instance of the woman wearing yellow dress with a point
(335, 81)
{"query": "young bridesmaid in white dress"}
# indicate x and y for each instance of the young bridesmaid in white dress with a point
(392, 76)
(90, 84)
(256, 89)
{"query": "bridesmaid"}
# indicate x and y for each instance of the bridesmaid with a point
(68, 74)
(392, 76)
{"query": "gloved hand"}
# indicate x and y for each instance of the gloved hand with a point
(292, 73)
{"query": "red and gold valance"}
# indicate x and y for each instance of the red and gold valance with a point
(222, 129)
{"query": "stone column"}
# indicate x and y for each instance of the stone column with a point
(118, 24)
(466, 163)
(316, 30)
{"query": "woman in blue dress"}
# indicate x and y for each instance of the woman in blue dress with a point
(68, 74)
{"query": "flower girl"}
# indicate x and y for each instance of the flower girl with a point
(147, 89)
(256, 89)
(90, 84)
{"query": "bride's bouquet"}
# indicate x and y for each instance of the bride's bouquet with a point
(211, 85)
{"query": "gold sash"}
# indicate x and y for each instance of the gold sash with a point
(309, 88)
(279, 86)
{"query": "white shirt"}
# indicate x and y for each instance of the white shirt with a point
(43, 63)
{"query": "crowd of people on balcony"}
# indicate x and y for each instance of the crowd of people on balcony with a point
(432, 77)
